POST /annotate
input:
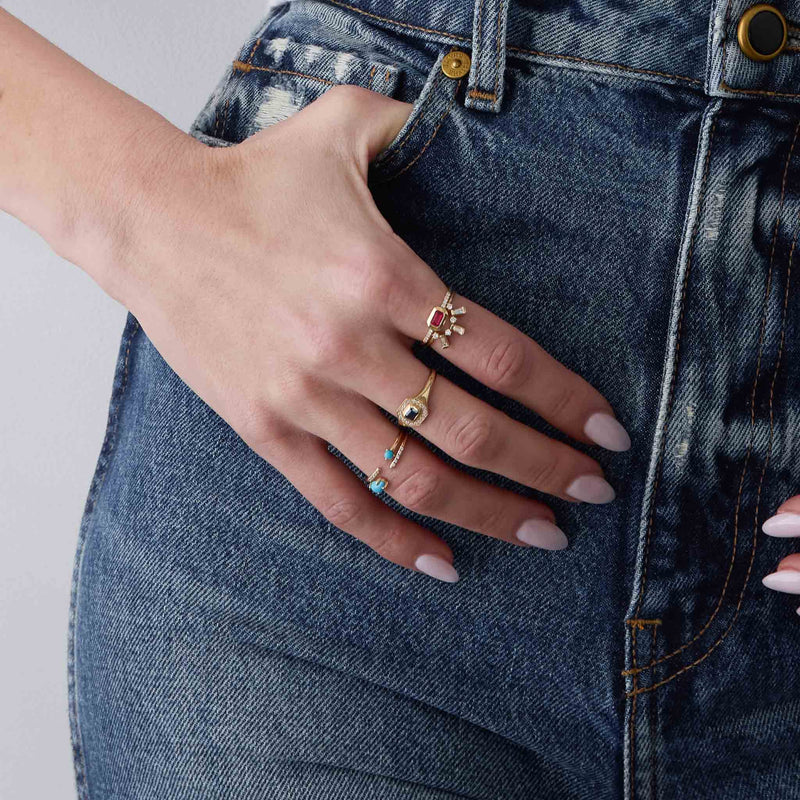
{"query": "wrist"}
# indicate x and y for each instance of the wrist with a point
(122, 199)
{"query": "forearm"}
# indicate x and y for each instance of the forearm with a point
(78, 156)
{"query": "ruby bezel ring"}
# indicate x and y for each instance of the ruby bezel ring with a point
(443, 322)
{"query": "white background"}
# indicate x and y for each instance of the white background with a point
(58, 341)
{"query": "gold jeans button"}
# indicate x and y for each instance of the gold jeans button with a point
(456, 64)
(762, 32)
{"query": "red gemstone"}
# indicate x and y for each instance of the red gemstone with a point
(437, 318)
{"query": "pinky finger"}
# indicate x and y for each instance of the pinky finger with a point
(345, 502)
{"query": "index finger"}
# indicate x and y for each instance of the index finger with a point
(503, 358)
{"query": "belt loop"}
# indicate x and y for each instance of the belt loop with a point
(485, 89)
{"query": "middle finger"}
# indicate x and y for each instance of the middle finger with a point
(479, 435)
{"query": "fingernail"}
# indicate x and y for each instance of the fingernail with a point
(605, 430)
(542, 533)
(437, 567)
(591, 489)
(784, 580)
(785, 524)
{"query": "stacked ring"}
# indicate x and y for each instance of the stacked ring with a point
(376, 482)
(442, 321)
(414, 410)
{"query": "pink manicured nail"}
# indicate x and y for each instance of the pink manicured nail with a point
(591, 489)
(436, 567)
(606, 431)
(784, 580)
(542, 533)
(783, 525)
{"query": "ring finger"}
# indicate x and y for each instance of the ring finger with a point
(479, 435)
(426, 485)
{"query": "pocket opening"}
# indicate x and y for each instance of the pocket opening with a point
(429, 111)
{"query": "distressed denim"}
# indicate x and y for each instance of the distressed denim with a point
(621, 183)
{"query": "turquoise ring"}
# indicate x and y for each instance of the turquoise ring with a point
(376, 482)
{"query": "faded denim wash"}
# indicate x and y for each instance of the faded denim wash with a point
(621, 183)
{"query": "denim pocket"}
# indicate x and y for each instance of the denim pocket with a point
(429, 112)
(275, 76)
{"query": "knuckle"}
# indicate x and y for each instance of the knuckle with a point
(328, 345)
(508, 365)
(492, 518)
(543, 474)
(371, 269)
(379, 283)
(342, 512)
(258, 427)
(350, 94)
(301, 390)
(344, 106)
(389, 544)
(565, 398)
(473, 440)
(419, 490)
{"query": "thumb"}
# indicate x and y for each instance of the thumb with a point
(367, 120)
(389, 121)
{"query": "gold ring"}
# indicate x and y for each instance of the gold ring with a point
(442, 321)
(376, 482)
(414, 410)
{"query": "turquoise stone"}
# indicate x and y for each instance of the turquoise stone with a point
(377, 486)
(389, 454)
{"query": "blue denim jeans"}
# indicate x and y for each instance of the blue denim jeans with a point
(620, 182)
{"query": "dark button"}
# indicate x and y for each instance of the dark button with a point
(762, 32)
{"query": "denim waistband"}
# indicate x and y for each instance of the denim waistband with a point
(685, 42)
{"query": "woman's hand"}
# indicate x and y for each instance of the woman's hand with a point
(785, 523)
(267, 278)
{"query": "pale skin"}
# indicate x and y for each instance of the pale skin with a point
(255, 269)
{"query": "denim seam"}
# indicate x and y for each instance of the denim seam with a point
(760, 484)
(458, 38)
(243, 66)
(498, 42)
(608, 64)
(759, 92)
(217, 131)
(249, 59)
(673, 377)
(107, 449)
(632, 721)
(501, 17)
(652, 710)
(480, 93)
(419, 155)
(224, 127)
(635, 625)
(478, 40)
(423, 111)
(767, 292)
